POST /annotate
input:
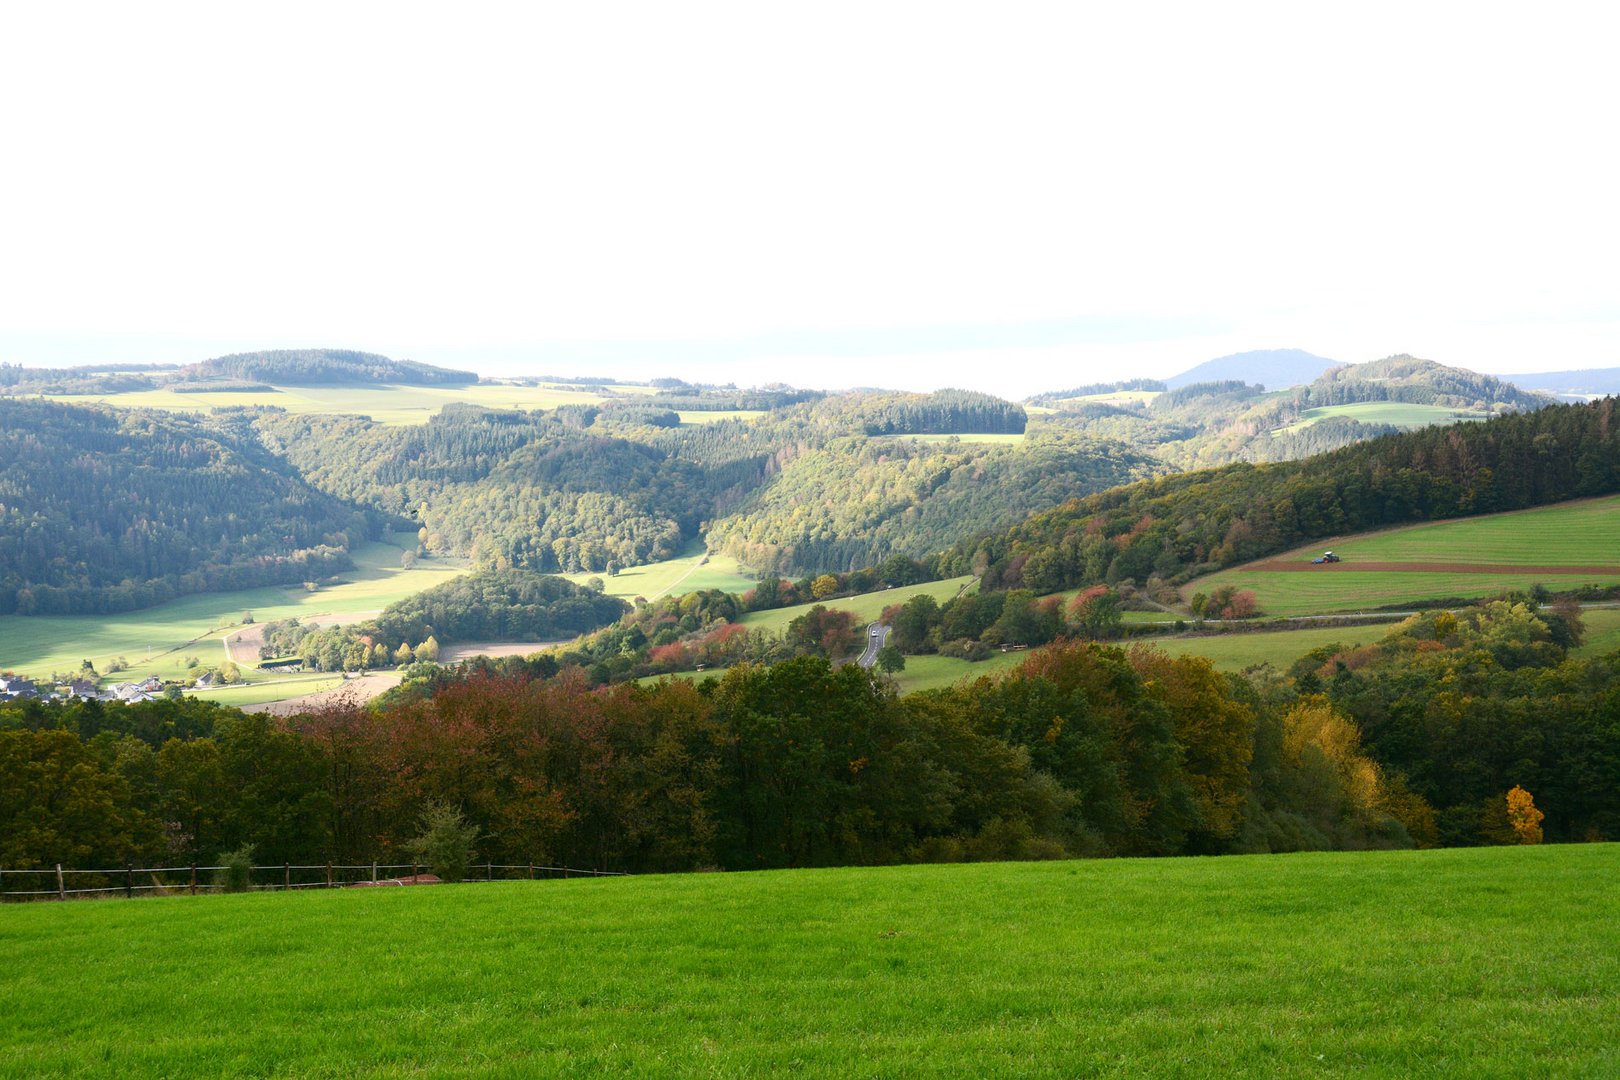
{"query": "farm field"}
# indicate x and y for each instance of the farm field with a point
(689, 572)
(866, 607)
(196, 625)
(1279, 648)
(268, 689)
(691, 417)
(1119, 397)
(384, 403)
(1602, 632)
(1467, 557)
(1228, 652)
(1399, 413)
(939, 672)
(1486, 961)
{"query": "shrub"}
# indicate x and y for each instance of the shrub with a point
(235, 873)
(445, 844)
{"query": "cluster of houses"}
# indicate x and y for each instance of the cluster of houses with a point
(15, 687)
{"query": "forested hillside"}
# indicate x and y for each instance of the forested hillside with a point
(806, 487)
(314, 367)
(854, 503)
(1199, 424)
(104, 510)
(1179, 526)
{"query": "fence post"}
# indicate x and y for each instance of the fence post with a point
(373, 869)
(489, 871)
(531, 871)
(328, 875)
(61, 890)
(193, 879)
(129, 880)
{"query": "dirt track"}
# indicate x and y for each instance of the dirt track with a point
(1427, 568)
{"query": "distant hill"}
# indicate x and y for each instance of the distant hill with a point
(1419, 382)
(1275, 369)
(325, 367)
(105, 510)
(1574, 385)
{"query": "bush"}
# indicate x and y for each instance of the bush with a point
(445, 844)
(235, 873)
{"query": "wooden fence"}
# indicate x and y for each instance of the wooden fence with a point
(59, 883)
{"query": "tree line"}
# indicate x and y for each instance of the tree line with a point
(1087, 749)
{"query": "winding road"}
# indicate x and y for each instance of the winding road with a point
(876, 635)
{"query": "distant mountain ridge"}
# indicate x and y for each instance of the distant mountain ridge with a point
(1577, 385)
(1275, 369)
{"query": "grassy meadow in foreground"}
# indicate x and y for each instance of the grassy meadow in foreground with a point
(1440, 963)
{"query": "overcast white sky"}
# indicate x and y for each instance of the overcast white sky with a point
(1002, 196)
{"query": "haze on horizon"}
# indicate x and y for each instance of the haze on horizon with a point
(901, 195)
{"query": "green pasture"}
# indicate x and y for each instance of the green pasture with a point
(1584, 533)
(1229, 652)
(384, 403)
(196, 625)
(1602, 632)
(690, 417)
(692, 571)
(1279, 648)
(1398, 413)
(268, 689)
(867, 607)
(1461, 962)
(1118, 397)
(1283, 593)
(939, 672)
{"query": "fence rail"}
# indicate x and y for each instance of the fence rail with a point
(54, 883)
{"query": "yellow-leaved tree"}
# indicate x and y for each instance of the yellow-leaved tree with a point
(1523, 816)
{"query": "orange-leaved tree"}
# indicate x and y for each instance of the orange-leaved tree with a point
(1523, 816)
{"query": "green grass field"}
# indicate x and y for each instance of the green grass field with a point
(195, 625)
(1398, 413)
(1584, 533)
(866, 607)
(269, 689)
(1118, 397)
(690, 572)
(939, 672)
(1464, 962)
(690, 417)
(384, 403)
(1602, 632)
(1279, 648)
